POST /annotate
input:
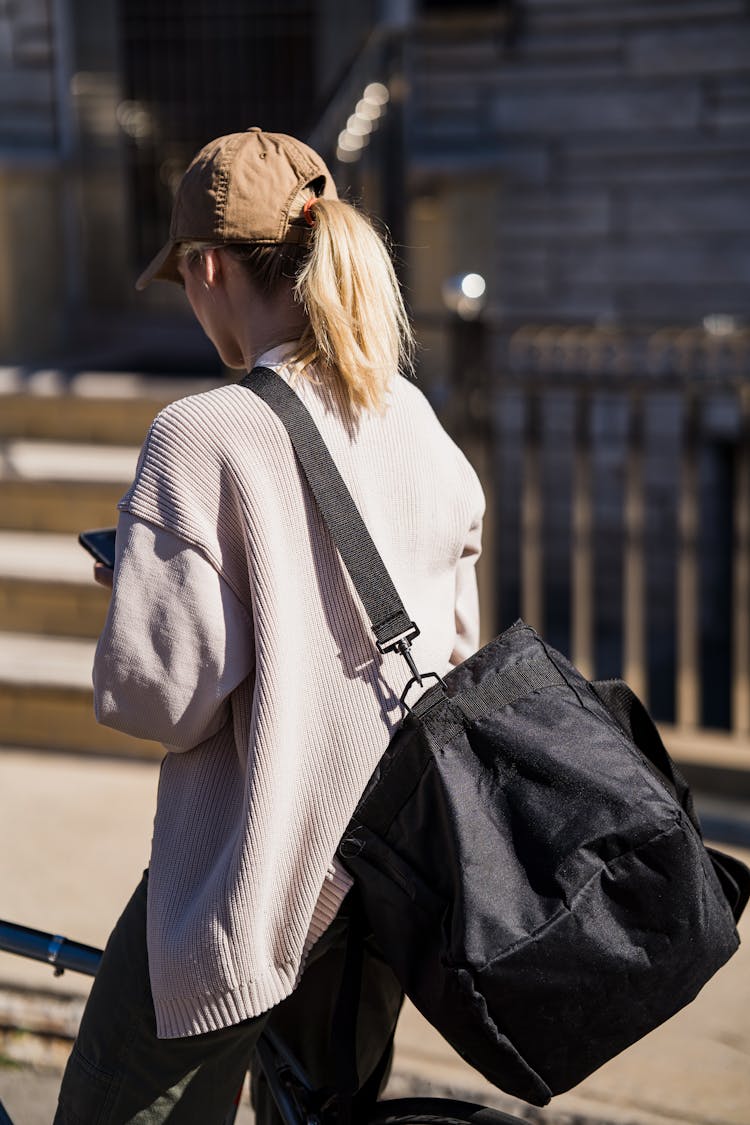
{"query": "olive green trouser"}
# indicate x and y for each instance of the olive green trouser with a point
(120, 1072)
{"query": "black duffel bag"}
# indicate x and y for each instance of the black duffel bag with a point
(526, 853)
(537, 880)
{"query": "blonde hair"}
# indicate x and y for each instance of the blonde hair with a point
(358, 327)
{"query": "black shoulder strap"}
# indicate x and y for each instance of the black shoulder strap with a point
(391, 623)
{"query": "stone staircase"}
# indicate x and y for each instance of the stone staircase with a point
(68, 450)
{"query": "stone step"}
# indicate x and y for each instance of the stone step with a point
(46, 586)
(46, 698)
(76, 419)
(53, 506)
(102, 407)
(61, 486)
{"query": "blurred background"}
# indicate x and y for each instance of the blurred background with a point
(567, 187)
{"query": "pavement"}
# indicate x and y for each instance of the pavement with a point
(74, 837)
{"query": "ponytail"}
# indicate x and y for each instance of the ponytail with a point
(358, 325)
(357, 330)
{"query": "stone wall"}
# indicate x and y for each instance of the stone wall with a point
(616, 137)
(27, 77)
(63, 214)
(31, 289)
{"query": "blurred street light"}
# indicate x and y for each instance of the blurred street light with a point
(369, 109)
(720, 324)
(464, 295)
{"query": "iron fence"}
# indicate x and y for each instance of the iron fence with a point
(618, 477)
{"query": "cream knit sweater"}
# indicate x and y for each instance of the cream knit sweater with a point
(235, 637)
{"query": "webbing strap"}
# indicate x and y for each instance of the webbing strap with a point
(510, 685)
(359, 554)
(500, 689)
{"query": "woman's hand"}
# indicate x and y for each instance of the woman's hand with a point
(104, 575)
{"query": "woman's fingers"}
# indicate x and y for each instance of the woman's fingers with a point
(104, 575)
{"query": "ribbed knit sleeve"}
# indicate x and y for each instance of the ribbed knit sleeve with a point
(185, 482)
(467, 594)
(175, 644)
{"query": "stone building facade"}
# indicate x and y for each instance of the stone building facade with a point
(593, 165)
(596, 170)
(63, 215)
(101, 106)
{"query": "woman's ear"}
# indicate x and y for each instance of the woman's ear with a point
(212, 268)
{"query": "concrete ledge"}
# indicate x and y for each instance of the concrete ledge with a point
(91, 406)
(46, 586)
(41, 461)
(62, 718)
(47, 700)
(60, 609)
(712, 761)
(34, 556)
(54, 486)
(62, 506)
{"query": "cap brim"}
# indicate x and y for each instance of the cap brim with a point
(162, 268)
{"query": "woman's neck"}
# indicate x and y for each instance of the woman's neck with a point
(268, 324)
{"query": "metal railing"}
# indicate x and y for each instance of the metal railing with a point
(618, 477)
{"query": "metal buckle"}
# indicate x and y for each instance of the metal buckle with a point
(404, 638)
(402, 645)
(425, 676)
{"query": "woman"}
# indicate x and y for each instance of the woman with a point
(234, 636)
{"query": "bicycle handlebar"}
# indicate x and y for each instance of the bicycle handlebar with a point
(55, 950)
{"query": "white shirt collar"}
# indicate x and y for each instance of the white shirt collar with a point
(277, 356)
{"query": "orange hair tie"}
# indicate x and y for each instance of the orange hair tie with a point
(308, 208)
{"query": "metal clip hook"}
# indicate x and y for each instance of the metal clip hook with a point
(404, 649)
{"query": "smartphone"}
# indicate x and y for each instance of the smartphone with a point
(100, 544)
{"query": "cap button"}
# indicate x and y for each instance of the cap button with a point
(254, 129)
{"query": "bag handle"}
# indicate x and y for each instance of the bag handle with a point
(622, 703)
(625, 706)
(393, 628)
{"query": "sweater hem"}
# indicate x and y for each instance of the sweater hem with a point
(180, 1017)
(183, 1016)
(338, 883)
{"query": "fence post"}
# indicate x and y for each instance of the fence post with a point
(532, 590)
(741, 574)
(582, 568)
(688, 688)
(634, 656)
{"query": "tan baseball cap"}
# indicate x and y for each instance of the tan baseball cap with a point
(245, 187)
